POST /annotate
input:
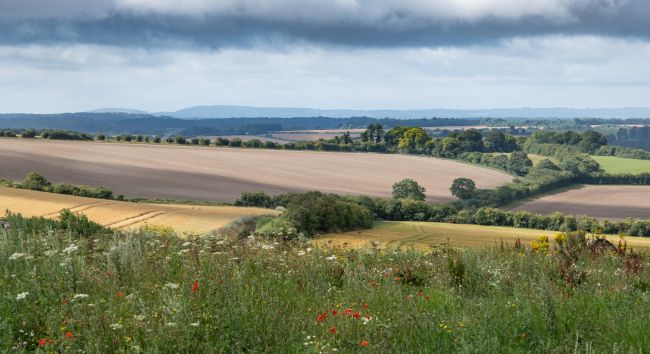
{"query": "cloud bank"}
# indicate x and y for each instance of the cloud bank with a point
(361, 23)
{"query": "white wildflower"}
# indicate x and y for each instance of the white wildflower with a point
(80, 297)
(301, 253)
(268, 247)
(15, 256)
(139, 318)
(186, 244)
(22, 296)
(366, 319)
(182, 252)
(171, 286)
(70, 249)
(331, 258)
(170, 324)
(194, 324)
(116, 326)
(308, 249)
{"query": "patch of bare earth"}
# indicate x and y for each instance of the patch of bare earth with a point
(221, 174)
(612, 202)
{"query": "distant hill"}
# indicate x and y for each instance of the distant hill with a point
(223, 111)
(121, 123)
(118, 110)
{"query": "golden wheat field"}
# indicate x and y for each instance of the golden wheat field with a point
(425, 235)
(222, 174)
(184, 219)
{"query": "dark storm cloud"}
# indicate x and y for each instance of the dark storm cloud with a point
(211, 26)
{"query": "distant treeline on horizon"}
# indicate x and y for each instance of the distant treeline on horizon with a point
(127, 123)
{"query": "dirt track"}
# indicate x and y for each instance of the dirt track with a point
(210, 173)
(612, 202)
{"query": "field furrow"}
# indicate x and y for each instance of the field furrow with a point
(222, 174)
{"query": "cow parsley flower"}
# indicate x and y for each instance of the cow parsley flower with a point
(22, 296)
(331, 258)
(171, 286)
(16, 256)
(116, 326)
(80, 297)
(70, 249)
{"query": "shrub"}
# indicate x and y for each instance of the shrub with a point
(255, 199)
(241, 227)
(35, 181)
(29, 133)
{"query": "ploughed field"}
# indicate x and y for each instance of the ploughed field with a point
(425, 235)
(600, 201)
(221, 174)
(183, 219)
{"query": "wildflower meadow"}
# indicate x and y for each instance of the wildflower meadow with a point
(71, 286)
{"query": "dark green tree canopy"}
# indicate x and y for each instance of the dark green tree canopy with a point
(463, 188)
(408, 189)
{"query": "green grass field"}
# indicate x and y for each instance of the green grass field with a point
(617, 165)
(71, 287)
(425, 235)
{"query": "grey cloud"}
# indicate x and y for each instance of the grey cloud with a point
(103, 22)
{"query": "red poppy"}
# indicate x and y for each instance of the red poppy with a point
(42, 342)
(322, 316)
(68, 335)
(357, 315)
(427, 297)
(334, 312)
(119, 294)
(364, 343)
(420, 293)
(364, 306)
(333, 330)
(195, 287)
(347, 311)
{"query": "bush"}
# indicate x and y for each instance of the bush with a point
(241, 227)
(35, 181)
(255, 199)
(29, 133)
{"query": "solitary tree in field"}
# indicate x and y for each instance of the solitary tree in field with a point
(463, 188)
(408, 189)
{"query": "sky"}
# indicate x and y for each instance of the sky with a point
(163, 55)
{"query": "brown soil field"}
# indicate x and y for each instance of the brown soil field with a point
(611, 202)
(184, 219)
(221, 174)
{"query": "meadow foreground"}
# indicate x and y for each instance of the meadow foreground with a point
(71, 286)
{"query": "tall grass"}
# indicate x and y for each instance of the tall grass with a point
(146, 292)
